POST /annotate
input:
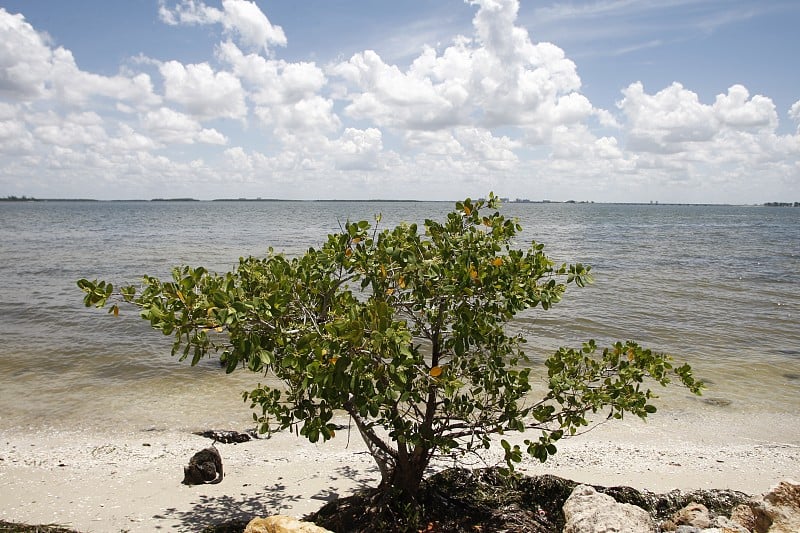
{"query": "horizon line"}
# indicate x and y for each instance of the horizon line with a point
(389, 200)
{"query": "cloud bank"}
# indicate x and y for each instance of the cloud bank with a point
(492, 109)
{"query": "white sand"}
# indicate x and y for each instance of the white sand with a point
(131, 482)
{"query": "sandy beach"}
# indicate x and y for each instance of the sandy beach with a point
(118, 481)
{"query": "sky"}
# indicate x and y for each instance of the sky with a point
(679, 101)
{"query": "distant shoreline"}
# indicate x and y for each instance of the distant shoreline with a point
(13, 199)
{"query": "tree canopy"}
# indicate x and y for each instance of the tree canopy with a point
(405, 330)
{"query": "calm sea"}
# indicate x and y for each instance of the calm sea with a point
(716, 286)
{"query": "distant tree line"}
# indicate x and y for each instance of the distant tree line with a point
(19, 199)
(782, 204)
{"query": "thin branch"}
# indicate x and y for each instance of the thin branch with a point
(371, 439)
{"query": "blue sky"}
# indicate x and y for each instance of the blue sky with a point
(615, 100)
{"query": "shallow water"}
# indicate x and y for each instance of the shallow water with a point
(716, 286)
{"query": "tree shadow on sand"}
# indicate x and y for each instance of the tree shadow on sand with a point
(209, 512)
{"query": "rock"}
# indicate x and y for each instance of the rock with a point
(726, 525)
(778, 511)
(204, 467)
(695, 515)
(744, 516)
(588, 511)
(664, 506)
(282, 524)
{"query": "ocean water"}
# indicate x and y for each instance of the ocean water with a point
(717, 286)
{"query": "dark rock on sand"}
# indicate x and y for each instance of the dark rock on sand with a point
(717, 402)
(227, 437)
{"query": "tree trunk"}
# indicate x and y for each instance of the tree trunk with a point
(406, 476)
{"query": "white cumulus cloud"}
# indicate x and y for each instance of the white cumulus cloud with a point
(241, 19)
(25, 58)
(675, 121)
(676, 140)
(492, 153)
(203, 92)
(286, 96)
(74, 129)
(31, 70)
(172, 127)
(497, 78)
(358, 149)
(15, 139)
(666, 121)
(737, 110)
(794, 113)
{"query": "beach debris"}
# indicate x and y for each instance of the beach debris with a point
(105, 449)
(204, 467)
(717, 402)
(226, 436)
